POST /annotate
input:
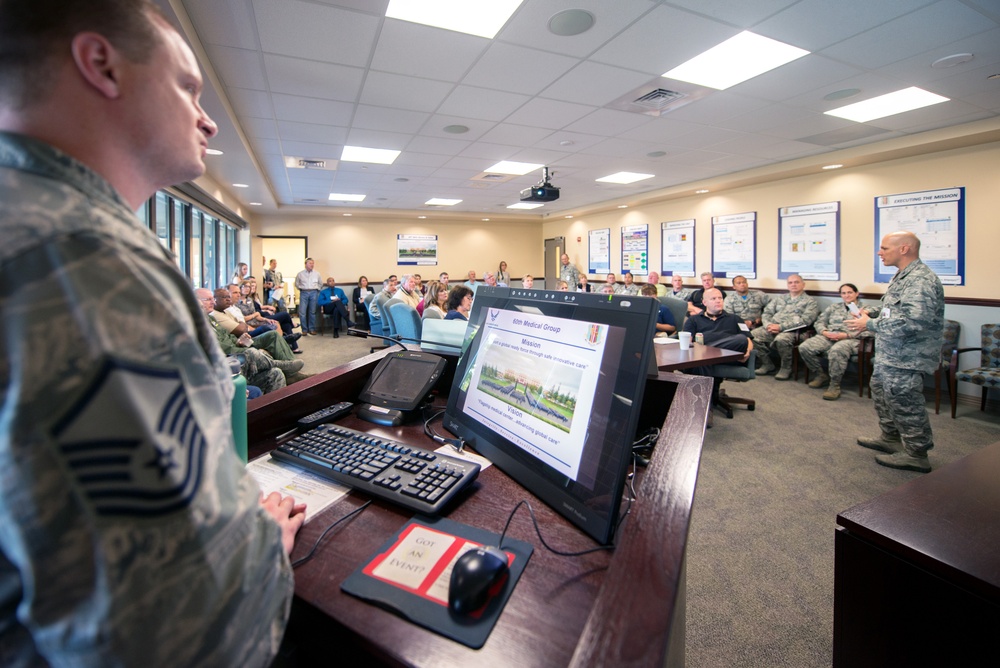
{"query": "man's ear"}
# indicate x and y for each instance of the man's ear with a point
(98, 63)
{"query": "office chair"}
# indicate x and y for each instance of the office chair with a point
(375, 323)
(738, 372)
(952, 331)
(405, 321)
(678, 309)
(986, 375)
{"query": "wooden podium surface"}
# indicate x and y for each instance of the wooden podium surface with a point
(622, 607)
(917, 571)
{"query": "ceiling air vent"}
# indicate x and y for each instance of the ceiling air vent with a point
(658, 99)
(653, 99)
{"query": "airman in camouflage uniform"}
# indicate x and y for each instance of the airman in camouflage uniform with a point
(908, 339)
(568, 271)
(748, 305)
(796, 309)
(132, 535)
(834, 340)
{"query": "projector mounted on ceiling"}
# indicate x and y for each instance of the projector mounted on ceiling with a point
(543, 192)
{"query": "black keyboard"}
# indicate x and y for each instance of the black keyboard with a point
(416, 479)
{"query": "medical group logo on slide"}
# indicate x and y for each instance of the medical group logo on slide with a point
(148, 460)
(594, 334)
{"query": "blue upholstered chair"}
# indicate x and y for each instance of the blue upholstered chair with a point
(952, 331)
(738, 372)
(986, 375)
(375, 322)
(406, 321)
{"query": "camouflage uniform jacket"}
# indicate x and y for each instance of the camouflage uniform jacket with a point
(131, 533)
(833, 317)
(570, 274)
(789, 312)
(910, 335)
(749, 308)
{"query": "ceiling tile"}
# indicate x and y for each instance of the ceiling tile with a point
(303, 29)
(517, 69)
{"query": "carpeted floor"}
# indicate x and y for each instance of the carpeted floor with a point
(760, 557)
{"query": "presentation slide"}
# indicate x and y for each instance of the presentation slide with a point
(534, 383)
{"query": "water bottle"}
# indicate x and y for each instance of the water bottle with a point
(239, 409)
(699, 338)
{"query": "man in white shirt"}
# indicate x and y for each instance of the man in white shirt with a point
(309, 282)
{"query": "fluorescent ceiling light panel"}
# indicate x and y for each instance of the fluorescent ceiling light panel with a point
(344, 197)
(889, 104)
(509, 167)
(381, 156)
(440, 201)
(524, 205)
(624, 177)
(737, 59)
(483, 19)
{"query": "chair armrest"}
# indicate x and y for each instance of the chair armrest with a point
(953, 363)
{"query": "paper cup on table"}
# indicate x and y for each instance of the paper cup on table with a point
(685, 338)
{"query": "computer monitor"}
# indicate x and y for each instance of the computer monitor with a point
(549, 389)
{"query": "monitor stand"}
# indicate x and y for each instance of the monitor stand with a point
(389, 417)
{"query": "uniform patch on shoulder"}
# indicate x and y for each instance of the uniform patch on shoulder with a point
(144, 461)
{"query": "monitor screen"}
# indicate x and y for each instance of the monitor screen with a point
(549, 389)
(402, 380)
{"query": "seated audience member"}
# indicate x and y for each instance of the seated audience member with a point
(472, 279)
(459, 303)
(707, 283)
(607, 289)
(270, 341)
(527, 281)
(238, 311)
(613, 282)
(746, 304)
(283, 318)
(796, 310)
(241, 274)
(584, 284)
(443, 278)
(436, 301)
(333, 302)
(259, 368)
(664, 318)
(562, 286)
(419, 281)
(389, 287)
(678, 291)
(833, 339)
(408, 292)
(490, 279)
(630, 288)
(503, 276)
(243, 310)
(720, 329)
(654, 280)
(358, 299)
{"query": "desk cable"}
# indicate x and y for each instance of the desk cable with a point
(457, 443)
(301, 560)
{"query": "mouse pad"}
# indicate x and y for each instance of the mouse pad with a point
(410, 573)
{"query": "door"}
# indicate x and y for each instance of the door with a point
(554, 248)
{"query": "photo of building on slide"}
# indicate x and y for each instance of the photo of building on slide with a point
(545, 389)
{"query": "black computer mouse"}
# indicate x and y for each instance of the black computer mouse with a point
(473, 576)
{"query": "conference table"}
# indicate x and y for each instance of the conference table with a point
(670, 357)
(623, 607)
